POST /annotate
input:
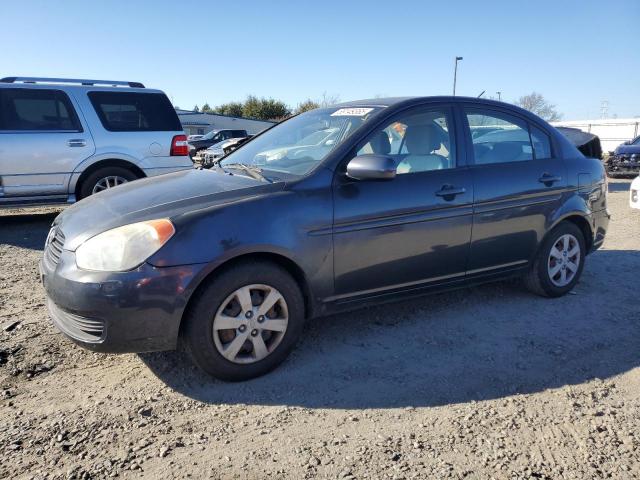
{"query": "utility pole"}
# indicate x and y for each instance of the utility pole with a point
(455, 74)
(499, 96)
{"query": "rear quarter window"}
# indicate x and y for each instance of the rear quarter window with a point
(24, 109)
(135, 112)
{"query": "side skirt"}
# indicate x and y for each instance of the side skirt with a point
(331, 306)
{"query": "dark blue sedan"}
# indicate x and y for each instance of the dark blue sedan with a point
(400, 197)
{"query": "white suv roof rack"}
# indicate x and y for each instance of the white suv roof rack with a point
(112, 83)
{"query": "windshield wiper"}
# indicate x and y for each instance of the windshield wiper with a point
(253, 172)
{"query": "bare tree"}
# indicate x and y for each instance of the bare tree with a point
(329, 100)
(536, 103)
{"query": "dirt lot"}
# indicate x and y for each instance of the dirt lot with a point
(490, 382)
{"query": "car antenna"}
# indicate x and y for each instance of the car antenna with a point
(481, 94)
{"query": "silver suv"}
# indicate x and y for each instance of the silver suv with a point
(62, 140)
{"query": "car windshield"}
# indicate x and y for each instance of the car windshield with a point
(209, 135)
(297, 146)
(636, 141)
(319, 136)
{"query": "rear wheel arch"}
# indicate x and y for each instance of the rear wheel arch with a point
(112, 162)
(582, 223)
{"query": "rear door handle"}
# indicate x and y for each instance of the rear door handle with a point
(549, 180)
(448, 192)
(77, 142)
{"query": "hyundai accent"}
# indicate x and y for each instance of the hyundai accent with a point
(410, 196)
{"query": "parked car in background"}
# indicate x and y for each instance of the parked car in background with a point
(210, 139)
(211, 154)
(235, 143)
(634, 193)
(625, 160)
(62, 140)
(229, 263)
(219, 150)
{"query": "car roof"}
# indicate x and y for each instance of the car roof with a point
(84, 88)
(75, 84)
(390, 101)
(400, 102)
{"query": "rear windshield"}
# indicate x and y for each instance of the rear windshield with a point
(135, 112)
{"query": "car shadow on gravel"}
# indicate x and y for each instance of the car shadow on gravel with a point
(26, 230)
(473, 344)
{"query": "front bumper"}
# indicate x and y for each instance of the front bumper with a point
(135, 311)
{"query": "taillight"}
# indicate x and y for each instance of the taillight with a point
(179, 146)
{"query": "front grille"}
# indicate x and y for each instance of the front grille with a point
(77, 327)
(53, 249)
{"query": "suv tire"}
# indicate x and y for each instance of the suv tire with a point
(558, 264)
(106, 174)
(258, 348)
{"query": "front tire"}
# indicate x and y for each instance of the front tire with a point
(244, 322)
(558, 264)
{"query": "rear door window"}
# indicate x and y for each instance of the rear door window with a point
(498, 137)
(541, 143)
(135, 112)
(23, 109)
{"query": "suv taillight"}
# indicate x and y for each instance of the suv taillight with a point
(179, 146)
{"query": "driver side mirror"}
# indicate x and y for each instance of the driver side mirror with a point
(371, 167)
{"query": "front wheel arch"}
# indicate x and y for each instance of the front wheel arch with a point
(280, 260)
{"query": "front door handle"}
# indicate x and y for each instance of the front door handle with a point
(449, 192)
(548, 179)
(77, 142)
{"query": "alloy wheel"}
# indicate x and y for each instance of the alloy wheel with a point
(107, 183)
(250, 323)
(564, 260)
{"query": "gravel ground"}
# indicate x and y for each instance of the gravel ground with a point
(489, 382)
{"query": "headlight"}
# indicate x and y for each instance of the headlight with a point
(124, 248)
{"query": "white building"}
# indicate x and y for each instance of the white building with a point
(612, 131)
(197, 123)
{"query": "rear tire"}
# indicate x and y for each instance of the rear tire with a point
(261, 345)
(558, 264)
(104, 176)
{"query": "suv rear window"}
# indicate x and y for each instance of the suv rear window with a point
(25, 109)
(135, 112)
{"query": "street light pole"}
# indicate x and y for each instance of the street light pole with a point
(499, 96)
(455, 74)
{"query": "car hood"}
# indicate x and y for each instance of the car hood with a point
(627, 149)
(164, 196)
(199, 144)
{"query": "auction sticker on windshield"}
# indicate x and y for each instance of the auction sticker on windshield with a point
(351, 112)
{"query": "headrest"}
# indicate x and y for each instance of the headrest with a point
(380, 143)
(422, 139)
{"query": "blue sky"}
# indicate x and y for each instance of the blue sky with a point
(576, 54)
